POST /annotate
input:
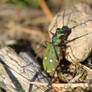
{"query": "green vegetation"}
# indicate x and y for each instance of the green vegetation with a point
(25, 3)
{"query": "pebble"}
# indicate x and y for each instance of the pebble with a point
(80, 16)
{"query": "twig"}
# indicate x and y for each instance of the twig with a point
(71, 81)
(86, 68)
(89, 71)
(61, 84)
(46, 9)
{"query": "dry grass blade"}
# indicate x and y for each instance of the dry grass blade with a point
(26, 30)
(46, 9)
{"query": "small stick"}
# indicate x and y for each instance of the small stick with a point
(86, 68)
(61, 84)
(71, 81)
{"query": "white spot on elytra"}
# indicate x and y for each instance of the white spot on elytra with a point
(45, 58)
(51, 60)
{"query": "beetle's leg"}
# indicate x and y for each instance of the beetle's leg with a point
(55, 80)
(52, 33)
(60, 56)
(81, 23)
(41, 45)
(67, 46)
(63, 50)
(46, 43)
(68, 41)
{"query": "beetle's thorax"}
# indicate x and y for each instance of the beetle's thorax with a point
(61, 35)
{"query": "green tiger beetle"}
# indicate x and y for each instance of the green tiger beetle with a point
(55, 50)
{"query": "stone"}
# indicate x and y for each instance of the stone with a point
(79, 19)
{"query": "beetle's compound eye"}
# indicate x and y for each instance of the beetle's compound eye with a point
(66, 29)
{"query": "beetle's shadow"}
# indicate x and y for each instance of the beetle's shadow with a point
(64, 66)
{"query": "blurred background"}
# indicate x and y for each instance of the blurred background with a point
(24, 23)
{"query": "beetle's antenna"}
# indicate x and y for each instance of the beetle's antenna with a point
(78, 37)
(51, 29)
(81, 24)
(69, 19)
(63, 16)
(55, 24)
(56, 21)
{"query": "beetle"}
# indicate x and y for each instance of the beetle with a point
(56, 49)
